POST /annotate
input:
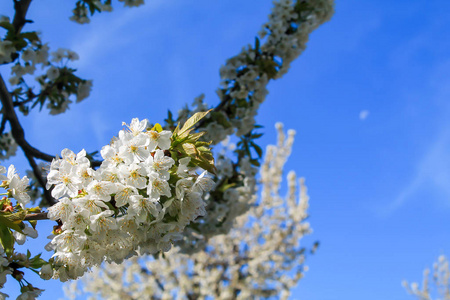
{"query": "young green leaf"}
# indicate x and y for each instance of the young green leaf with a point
(190, 149)
(9, 223)
(7, 239)
(192, 121)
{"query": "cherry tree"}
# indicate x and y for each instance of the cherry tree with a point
(156, 184)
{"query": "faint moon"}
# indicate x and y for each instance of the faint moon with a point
(363, 115)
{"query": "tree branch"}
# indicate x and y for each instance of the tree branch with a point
(16, 129)
(21, 8)
(3, 124)
(36, 216)
(19, 136)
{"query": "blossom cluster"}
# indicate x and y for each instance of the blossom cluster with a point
(138, 201)
(260, 257)
(8, 145)
(16, 187)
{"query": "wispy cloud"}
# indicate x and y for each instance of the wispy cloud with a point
(105, 35)
(432, 173)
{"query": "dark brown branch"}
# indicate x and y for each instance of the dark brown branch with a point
(3, 124)
(19, 136)
(21, 8)
(16, 129)
(36, 216)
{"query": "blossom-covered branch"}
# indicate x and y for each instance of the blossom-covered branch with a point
(244, 87)
(245, 76)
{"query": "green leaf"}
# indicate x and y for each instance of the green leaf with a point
(31, 36)
(185, 134)
(192, 121)
(10, 223)
(207, 156)
(256, 135)
(225, 187)
(203, 149)
(37, 262)
(8, 26)
(194, 137)
(169, 121)
(190, 149)
(177, 129)
(174, 154)
(221, 118)
(7, 240)
(205, 165)
(33, 223)
(202, 144)
(35, 209)
(20, 44)
(93, 8)
(257, 44)
(257, 149)
(255, 162)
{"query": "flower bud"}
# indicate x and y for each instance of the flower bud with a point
(18, 275)
(46, 272)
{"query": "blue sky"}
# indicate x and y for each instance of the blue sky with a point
(379, 186)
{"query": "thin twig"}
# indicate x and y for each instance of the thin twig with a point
(19, 103)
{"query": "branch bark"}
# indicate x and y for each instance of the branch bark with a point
(19, 136)
(21, 8)
(36, 216)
